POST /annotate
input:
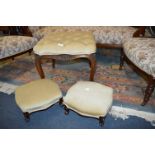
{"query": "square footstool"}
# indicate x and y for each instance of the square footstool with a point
(37, 95)
(89, 99)
(66, 46)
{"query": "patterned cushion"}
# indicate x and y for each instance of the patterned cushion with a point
(72, 43)
(11, 45)
(141, 51)
(102, 34)
(89, 98)
(114, 34)
(37, 95)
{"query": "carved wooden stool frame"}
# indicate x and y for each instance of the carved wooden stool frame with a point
(27, 114)
(90, 57)
(66, 112)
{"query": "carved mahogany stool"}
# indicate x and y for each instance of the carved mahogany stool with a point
(37, 95)
(66, 46)
(89, 99)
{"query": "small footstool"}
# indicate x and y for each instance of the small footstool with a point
(66, 46)
(89, 99)
(37, 95)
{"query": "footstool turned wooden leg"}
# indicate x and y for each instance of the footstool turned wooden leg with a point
(101, 121)
(61, 101)
(66, 110)
(27, 116)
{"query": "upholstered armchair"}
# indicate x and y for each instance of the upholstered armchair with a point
(13, 45)
(141, 53)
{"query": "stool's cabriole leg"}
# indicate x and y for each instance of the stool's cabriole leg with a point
(27, 116)
(38, 66)
(61, 101)
(66, 110)
(101, 121)
(92, 62)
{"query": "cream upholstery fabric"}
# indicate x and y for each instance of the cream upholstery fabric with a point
(89, 98)
(37, 95)
(141, 51)
(72, 43)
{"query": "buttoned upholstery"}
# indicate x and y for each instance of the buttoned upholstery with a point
(89, 99)
(12, 45)
(102, 34)
(37, 95)
(141, 51)
(66, 43)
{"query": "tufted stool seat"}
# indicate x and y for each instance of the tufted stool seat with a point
(89, 99)
(141, 52)
(66, 43)
(37, 95)
(66, 46)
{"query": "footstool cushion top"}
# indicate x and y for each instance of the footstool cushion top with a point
(89, 99)
(71, 43)
(37, 95)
